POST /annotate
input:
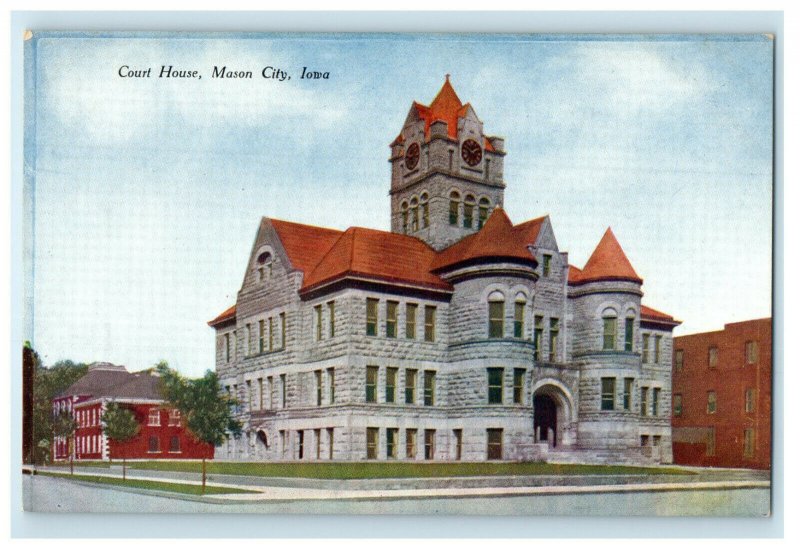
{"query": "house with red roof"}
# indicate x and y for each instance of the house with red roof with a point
(456, 335)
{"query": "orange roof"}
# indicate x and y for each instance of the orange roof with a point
(227, 314)
(649, 313)
(305, 245)
(497, 239)
(607, 262)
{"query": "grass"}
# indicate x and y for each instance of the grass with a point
(369, 470)
(191, 489)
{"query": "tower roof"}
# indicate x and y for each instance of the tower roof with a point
(607, 262)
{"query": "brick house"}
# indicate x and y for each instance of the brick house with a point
(722, 397)
(161, 434)
(456, 336)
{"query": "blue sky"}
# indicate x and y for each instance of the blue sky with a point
(149, 192)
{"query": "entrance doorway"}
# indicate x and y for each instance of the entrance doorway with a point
(545, 419)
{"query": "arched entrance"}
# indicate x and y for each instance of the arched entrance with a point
(545, 419)
(554, 413)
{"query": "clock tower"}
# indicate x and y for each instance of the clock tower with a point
(447, 175)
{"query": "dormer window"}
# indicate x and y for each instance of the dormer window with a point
(264, 266)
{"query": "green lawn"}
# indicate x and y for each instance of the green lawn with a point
(400, 470)
(191, 489)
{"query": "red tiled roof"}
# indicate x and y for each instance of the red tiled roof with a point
(648, 313)
(305, 245)
(574, 274)
(497, 239)
(607, 262)
(227, 314)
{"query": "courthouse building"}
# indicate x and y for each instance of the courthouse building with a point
(458, 335)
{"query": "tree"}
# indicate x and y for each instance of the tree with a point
(64, 425)
(120, 425)
(206, 410)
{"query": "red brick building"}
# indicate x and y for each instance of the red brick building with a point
(722, 397)
(161, 434)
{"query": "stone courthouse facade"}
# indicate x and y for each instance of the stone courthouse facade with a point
(456, 336)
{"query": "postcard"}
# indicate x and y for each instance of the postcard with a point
(465, 274)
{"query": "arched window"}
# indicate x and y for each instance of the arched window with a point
(455, 200)
(404, 209)
(519, 315)
(469, 209)
(414, 215)
(423, 203)
(483, 211)
(264, 266)
(496, 314)
(609, 329)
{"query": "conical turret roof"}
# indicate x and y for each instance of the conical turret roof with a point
(607, 262)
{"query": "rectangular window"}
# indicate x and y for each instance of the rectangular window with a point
(411, 443)
(608, 387)
(609, 333)
(677, 405)
(332, 318)
(411, 386)
(645, 348)
(425, 215)
(495, 385)
(372, 443)
(153, 446)
(411, 320)
(711, 441)
(391, 318)
(496, 314)
(261, 340)
(749, 442)
(318, 379)
(283, 330)
(391, 385)
(330, 442)
(249, 395)
(458, 436)
(174, 418)
(468, 211)
(300, 444)
(283, 442)
(317, 443)
(711, 402)
(391, 443)
(627, 393)
(538, 331)
(553, 339)
(227, 347)
(453, 217)
(713, 357)
(629, 334)
(547, 261)
(494, 444)
(430, 388)
(372, 317)
(270, 387)
(679, 360)
(372, 384)
(644, 440)
(643, 401)
(430, 323)
(331, 386)
(519, 319)
(656, 348)
(271, 334)
(430, 443)
(656, 398)
(749, 400)
(283, 390)
(318, 322)
(174, 444)
(751, 352)
(250, 339)
(154, 417)
(519, 384)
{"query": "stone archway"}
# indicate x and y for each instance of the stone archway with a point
(545, 419)
(553, 413)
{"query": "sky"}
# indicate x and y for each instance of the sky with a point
(148, 192)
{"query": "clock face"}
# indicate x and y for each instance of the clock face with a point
(471, 152)
(412, 156)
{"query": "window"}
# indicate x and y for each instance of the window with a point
(330, 442)
(270, 387)
(749, 400)
(711, 441)
(372, 317)
(414, 215)
(332, 318)
(423, 203)
(430, 323)
(454, 203)
(411, 443)
(261, 393)
(519, 317)
(153, 446)
(317, 443)
(609, 333)
(175, 445)
(656, 348)
(154, 417)
(372, 384)
(271, 346)
(318, 322)
(469, 208)
(249, 394)
(372, 443)
(430, 443)
(174, 418)
(391, 318)
(627, 393)
(483, 211)
(391, 384)
(547, 261)
(645, 348)
(283, 442)
(283, 390)
(751, 352)
(404, 208)
(261, 345)
(679, 360)
(300, 443)
(711, 402)
(391, 443)
(318, 380)
(429, 394)
(494, 444)
(607, 390)
(656, 397)
(283, 330)
(496, 314)
(331, 386)
(713, 357)
(411, 320)
(458, 435)
(677, 405)
(411, 386)
(643, 401)
(249, 328)
(227, 347)
(749, 442)
(519, 384)
(538, 331)
(644, 440)
(553, 339)
(495, 385)
(629, 333)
